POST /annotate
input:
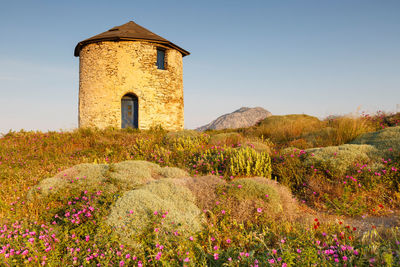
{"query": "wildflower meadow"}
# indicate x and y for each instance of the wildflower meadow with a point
(290, 191)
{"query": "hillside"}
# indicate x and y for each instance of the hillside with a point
(243, 197)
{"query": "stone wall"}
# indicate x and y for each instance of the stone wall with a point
(109, 70)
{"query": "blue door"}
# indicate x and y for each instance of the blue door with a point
(129, 111)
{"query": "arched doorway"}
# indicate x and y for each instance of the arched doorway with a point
(129, 111)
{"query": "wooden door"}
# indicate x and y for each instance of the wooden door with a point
(129, 111)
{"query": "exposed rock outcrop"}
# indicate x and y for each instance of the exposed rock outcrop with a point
(243, 117)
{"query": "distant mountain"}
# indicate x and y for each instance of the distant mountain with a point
(243, 117)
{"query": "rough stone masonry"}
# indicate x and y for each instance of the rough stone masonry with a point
(123, 61)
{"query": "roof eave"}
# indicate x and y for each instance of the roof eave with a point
(80, 45)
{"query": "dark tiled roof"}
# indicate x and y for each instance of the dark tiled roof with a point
(128, 32)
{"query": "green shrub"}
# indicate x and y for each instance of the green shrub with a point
(132, 214)
(255, 189)
(346, 204)
(392, 120)
(204, 189)
(338, 160)
(173, 172)
(247, 199)
(184, 145)
(133, 172)
(387, 141)
(241, 161)
(188, 145)
(248, 162)
(80, 176)
(170, 136)
(214, 160)
(289, 169)
(143, 147)
(123, 175)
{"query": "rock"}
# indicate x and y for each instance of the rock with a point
(243, 117)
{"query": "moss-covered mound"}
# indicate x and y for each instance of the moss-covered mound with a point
(338, 159)
(138, 209)
(123, 175)
(387, 141)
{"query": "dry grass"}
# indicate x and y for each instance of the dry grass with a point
(346, 129)
(305, 131)
(226, 139)
(259, 145)
(282, 129)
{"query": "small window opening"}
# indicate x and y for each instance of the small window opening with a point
(160, 59)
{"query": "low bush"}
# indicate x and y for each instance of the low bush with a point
(204, 188)
(236, 162)
(123, 175)
(248, 198)
(387, 141)
(337, 160)
(288, 168)
(248, 162)
(171, 136)
(80, 176)
(131, 215)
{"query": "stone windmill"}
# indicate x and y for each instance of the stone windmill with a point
(130, 77)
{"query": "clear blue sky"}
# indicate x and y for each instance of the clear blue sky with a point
(300, 56)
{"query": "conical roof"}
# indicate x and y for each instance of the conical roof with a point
(128, 32)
